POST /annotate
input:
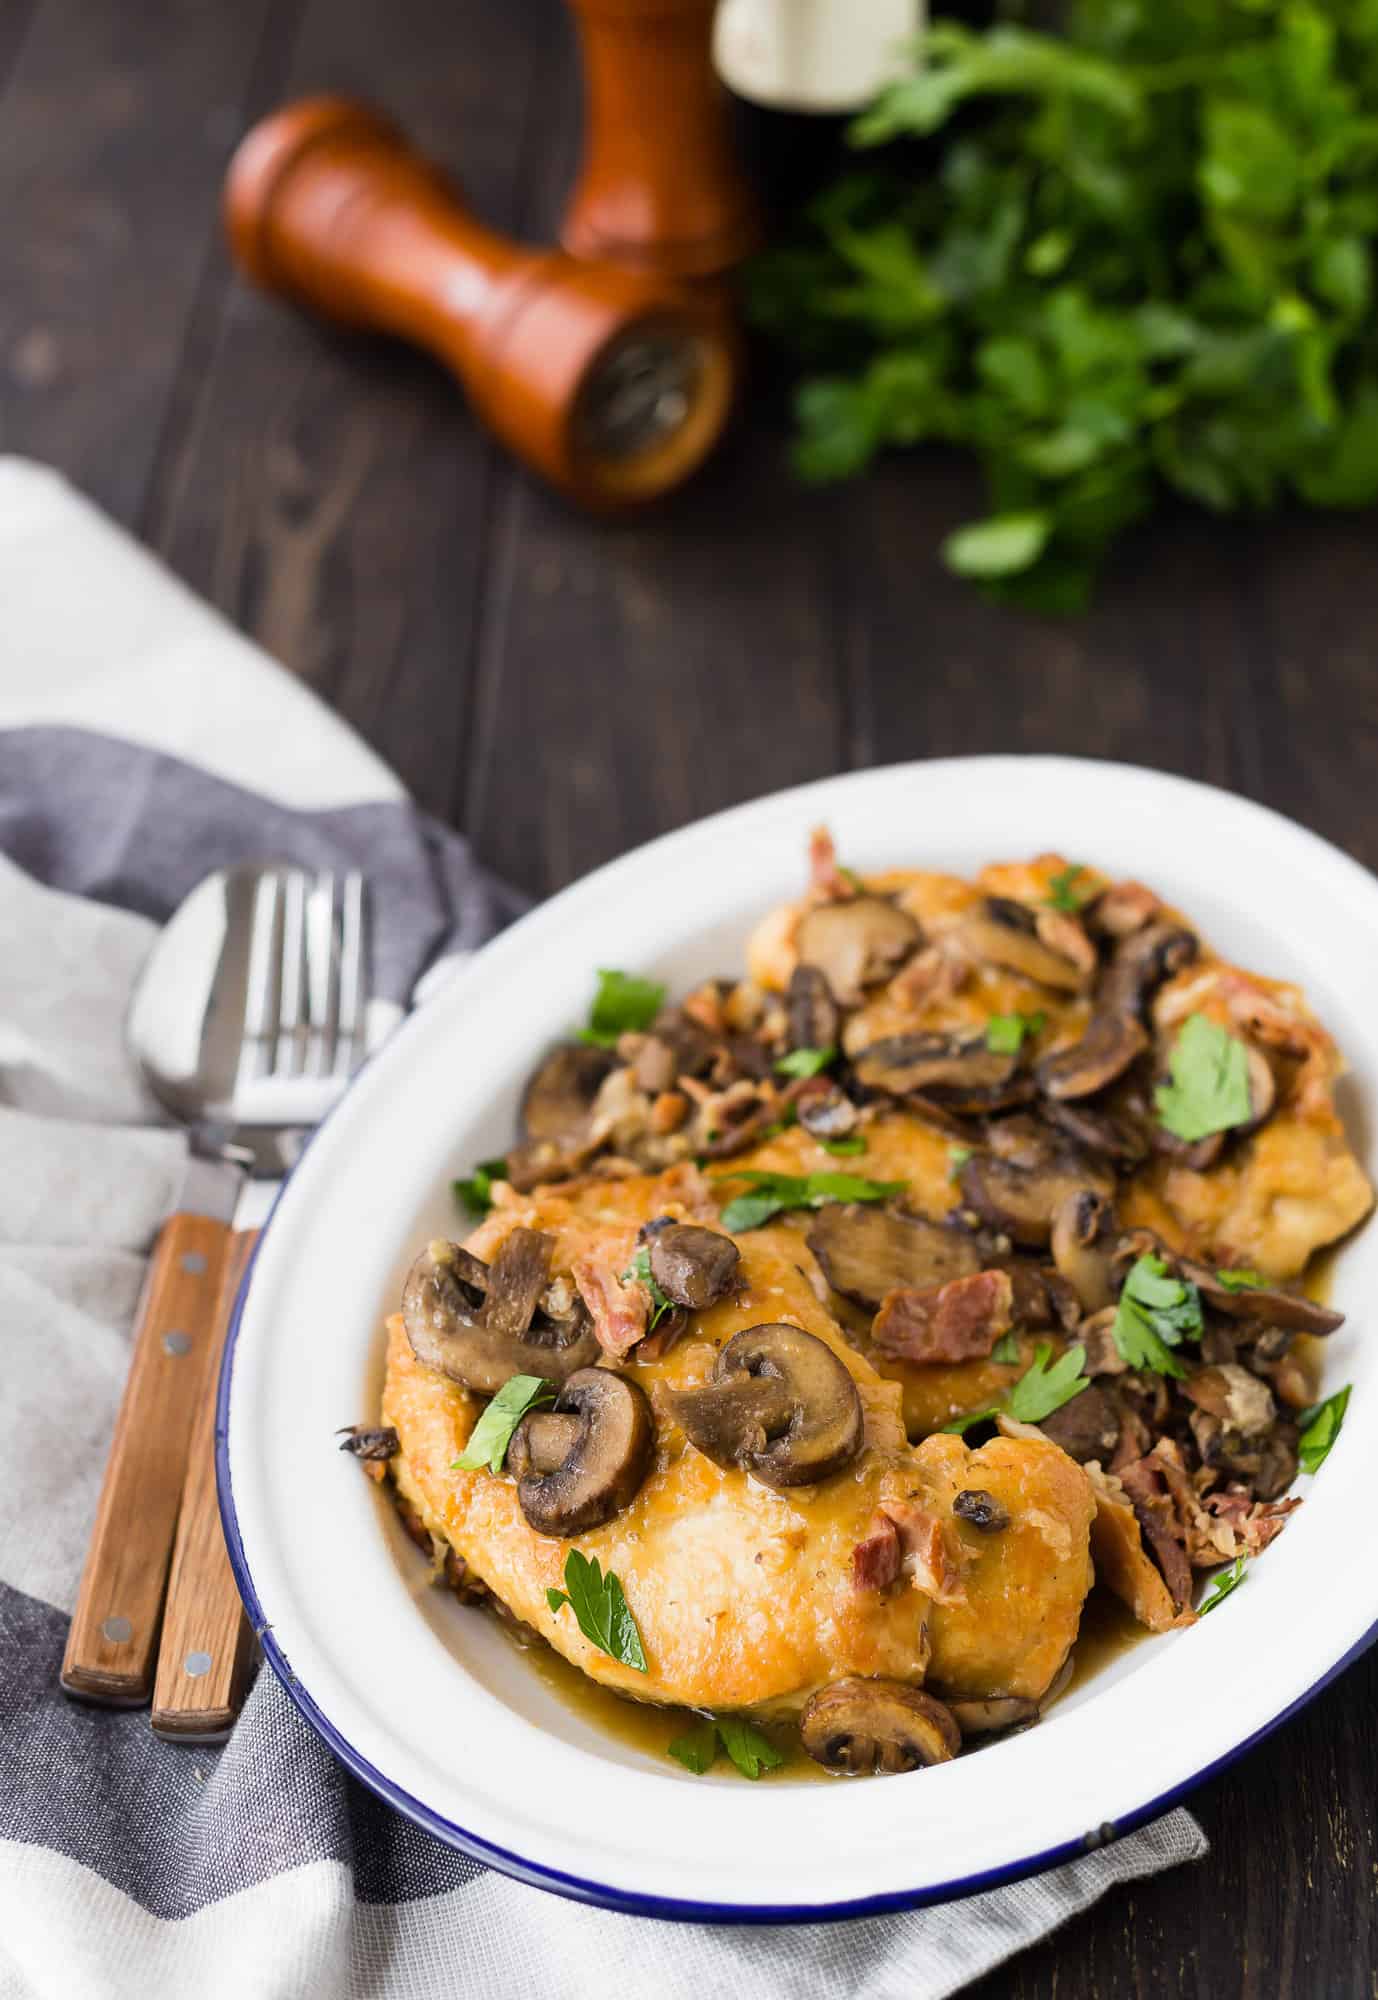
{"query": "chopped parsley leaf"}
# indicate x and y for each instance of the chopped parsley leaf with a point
(957, 1157)
(1062, 895)
(1039, 1391)
(697, 1749)
(806, 1062)
(1005, 1032)
(1241, 1281)
(1223, 1582)
(622, 1005)
(1006, 1349)
(476, 1193)
(638, 1272)
(770, 1193)
(491, 1435)
(843, 1147)
(751, 1752)
(1209, 1088)
(600, 1610)
(1155, 1313)
(1321, 1426)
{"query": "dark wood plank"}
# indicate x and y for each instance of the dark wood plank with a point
(332, 493)
(633, 676)
(116, 125)
(1152, 674)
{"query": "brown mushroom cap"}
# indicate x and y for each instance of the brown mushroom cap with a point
(825, 1111)
(1005, 933)
(814, 1019)
(603, 1432)
(877, 1725)
(481, 1323)
(779, 1404)
(1083, 1247)
(993, 1714)
(1022, 1201)
(855, 944)
(693, 1266)
(1087, 1427)
(1112, 1042)
(1142, 961)
(956, 1072)
(561, 1089)
(1271, 1304)
(866, 1251)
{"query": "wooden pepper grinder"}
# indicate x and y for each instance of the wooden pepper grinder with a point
(661, 187)
(612, 382)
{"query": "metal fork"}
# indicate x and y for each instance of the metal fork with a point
(303, 959)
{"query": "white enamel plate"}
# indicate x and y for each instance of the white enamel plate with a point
(430, 1706)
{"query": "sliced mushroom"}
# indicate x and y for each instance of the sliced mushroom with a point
(1005, 933)
(876, 1725)
(481, 1323)
(1097, 1131)
(1023, 1201)
(1197, 1155)
(994, 1715)
(1112, 1042)
(1272, 1304)
(583, 1462)
(856, 944)
(1141, 962)
(866, 1251)
(1083, 1245)
(693, 1266)
(956, 1072)
(780, 1404)
(814, 1020)
(560, 1092)
(1087, 1427)
(825, 1111)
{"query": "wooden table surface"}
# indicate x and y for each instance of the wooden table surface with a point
(561, 690)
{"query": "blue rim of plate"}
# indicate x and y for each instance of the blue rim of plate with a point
(604, 1895)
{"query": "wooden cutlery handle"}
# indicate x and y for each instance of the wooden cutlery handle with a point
(113, 1641)
(207, 1646)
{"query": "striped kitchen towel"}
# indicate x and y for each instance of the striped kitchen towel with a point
(142, 743)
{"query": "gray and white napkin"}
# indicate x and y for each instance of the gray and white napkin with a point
(143, 743)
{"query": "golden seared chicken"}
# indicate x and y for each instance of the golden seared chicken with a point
(1013, 1162)
(764, 1552)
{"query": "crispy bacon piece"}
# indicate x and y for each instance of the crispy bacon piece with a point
(826, 880)
(1252, 1524)
(619, 1311)
(958, 1321)
(1146, 1487)
(937, 972)
(876, 1559)
(903, 1539)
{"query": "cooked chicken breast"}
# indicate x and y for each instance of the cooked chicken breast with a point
(746, 1596)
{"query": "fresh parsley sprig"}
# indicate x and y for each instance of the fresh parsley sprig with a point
(1209, 1087)
(772, 1193)
(639, 1272)
(1320, 1428)
(1222, 1583)
(476, 1193)
(600, 1610)
(1155, 1313)
(749, 1750)
(624, 1004)
(1040, 1390)
(1005, 1032)
(844, 1148)
(1062, 890)
(491, 1435)
(1241, 1280)
(806, 1062)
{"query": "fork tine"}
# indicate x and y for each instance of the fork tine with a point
(322, 974)
(350, 1047)
(262, 980)
(292, 987)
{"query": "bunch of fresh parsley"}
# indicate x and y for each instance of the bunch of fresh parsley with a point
(1140, 255)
